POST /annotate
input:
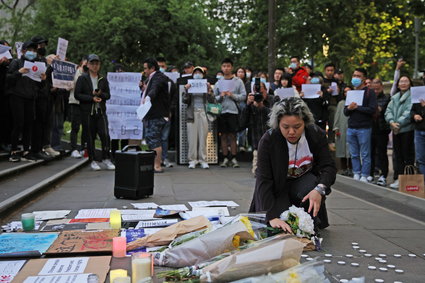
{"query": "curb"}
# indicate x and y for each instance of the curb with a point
(10, 171)
(39, 186)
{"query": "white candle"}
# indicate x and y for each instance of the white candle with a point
(141, 268)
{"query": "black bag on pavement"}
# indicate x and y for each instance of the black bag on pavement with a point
(134, 173)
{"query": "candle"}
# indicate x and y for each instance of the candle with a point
(119, 245)
(116, 273)
(115, 219)
(28, 221)
(126, 279)
(141, 266)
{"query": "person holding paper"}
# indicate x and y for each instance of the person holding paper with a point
(6, 118)
(418, 117)
(228, 120)
(299, 74)
(197, 123)
(92, 90)
(23, 90)
(294, 165)
(399, 117)
(360, 119)
(285, 83)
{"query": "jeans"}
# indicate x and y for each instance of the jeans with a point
(420, 150)
(165, 133)
(359, 141)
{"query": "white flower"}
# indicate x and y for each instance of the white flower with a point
(305, 222)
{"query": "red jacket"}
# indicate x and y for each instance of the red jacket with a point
(299, 78)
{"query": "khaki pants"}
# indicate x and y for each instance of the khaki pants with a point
(197, 136)
(254, 161)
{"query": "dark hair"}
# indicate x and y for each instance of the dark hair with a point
(244, 71)
(219, 72)
(362, 70)
(280, 69)
(287, 77)
(329, 65)
(296, 57)
(227, 60)
(401, 76)
(317, 74)
(118, 67)
(308, 66)
(152, 63)
(160, 59)
(3, 42)
(292, 106)
(248, 69)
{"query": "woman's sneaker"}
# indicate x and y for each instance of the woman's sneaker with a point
(394, 185)
(95, 166)
(234, 163)
(192, 165)
(14, 157)
(50, 151)
(76, 154)
(225, 162)
(109, 165)
(381, 181)
(204, 165)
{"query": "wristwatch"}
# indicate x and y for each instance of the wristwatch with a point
(321, 189)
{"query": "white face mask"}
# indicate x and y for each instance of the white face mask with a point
(197, 76)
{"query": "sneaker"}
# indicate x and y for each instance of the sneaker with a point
(42, 156)
(109, 165)
(364, 179)
(356, 177)
(95, 166)
(204, 165)
(75, 154)
(370, 179)
(50, 151)
(381, 181)
(225, 162)
(167, 163)
(14, 157)
(242, 149)
(234, 163)
(394, 185)
(30, 156)
(192, 165)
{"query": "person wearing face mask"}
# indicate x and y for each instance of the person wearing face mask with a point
(360, 120)
(299, 74)
(23, 91)
(398, 115)
(5, 114)
(197, 123)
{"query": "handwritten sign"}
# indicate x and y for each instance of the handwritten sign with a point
(23, 242)
(64, 266)
(197, 86)
(61, 49)
(156, 223)
(83, 242)
(35, 70)
(9, 269)
(63, 74)
(74, 278)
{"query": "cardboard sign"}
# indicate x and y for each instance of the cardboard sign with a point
(70, 242)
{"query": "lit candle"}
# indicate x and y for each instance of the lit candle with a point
(119, 245)
(116, 273)
(141, 266)
(28, 221)
(115, 219)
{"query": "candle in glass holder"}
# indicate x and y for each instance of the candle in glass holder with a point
(28, 221)
(126, 279)
(115, 219)
(117, 273)
(141, 266)
(119, 246)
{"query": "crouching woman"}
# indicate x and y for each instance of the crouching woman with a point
(294, 165)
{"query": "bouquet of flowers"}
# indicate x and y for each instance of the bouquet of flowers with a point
(300, 221)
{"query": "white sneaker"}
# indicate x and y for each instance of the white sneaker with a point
(109, 165)
(381, 181)
(75, 154)
(204, 165)
(192, 165)
(234, 163)
(95, 166)
(370, 179)
(394, 185)
(50, 151)
(356, 177)
(167, 163)
(364, 179)
(225, 162)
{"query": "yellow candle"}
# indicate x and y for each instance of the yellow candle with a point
(141, 266)
(116, 273)
(115, 219)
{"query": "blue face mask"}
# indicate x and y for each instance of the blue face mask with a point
(263, 80)
(293, 66)
(162, 70)
(30, 55)
(197, 76)
(315, 81)
(356, 82)
(219, 77)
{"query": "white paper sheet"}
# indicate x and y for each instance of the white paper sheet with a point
(137, 212)
(204, 203)
(62, 47)
(94, 213)
(354, 96)
(145, 205)
(143, 109)
(284, 92)
(4, 48)
(155, 223)
(75, 278)
(51, 214)
(18, 46)
(197, 86)
(35, 70)
(417, 93)
(9, 269)
(214, 211)
(142, 215)
(178, 207)
(6, 54)
(334, 88)
(172, 76)
(17, 225)
(226, 85)
(59, 266)
(310, 90)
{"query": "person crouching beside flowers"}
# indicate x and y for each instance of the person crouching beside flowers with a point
(294, 165)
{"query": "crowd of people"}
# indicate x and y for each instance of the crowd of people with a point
(33, 113)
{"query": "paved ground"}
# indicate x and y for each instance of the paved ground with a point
(377, 230)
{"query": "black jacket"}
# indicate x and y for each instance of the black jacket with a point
(84, 93)
(19, 85)
(256, 119)
(380, 126)
(3, 71)
(158, 92)
(319, 106)
(333, 100)
(362, 116)
(417, 109)
(271, 194)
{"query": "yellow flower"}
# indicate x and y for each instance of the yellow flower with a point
(236, 241)
(248, 225)
(293, 278)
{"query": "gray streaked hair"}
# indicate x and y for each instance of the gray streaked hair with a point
(292, 106)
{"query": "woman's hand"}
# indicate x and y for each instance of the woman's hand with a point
(187, 86)
(24, 70)
(278, 223)
(417, 118)
(315, 200)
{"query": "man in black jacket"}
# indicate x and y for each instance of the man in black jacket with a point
(155, 89)
(92, 91)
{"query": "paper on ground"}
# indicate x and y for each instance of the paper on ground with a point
(17, 225)
(9, 269)
(145, 205)
(204, 203)
(51, 214)
(94, 213)
(284, 92)
(147, 231)
(71, 265)
(214, 211)
(311, 90)
(137, 215)
(354, 96)
(98, 226)
(75, 278)
(156, 223)
(417, 93)
(143, 109)
(177, 207)
(146, 213)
